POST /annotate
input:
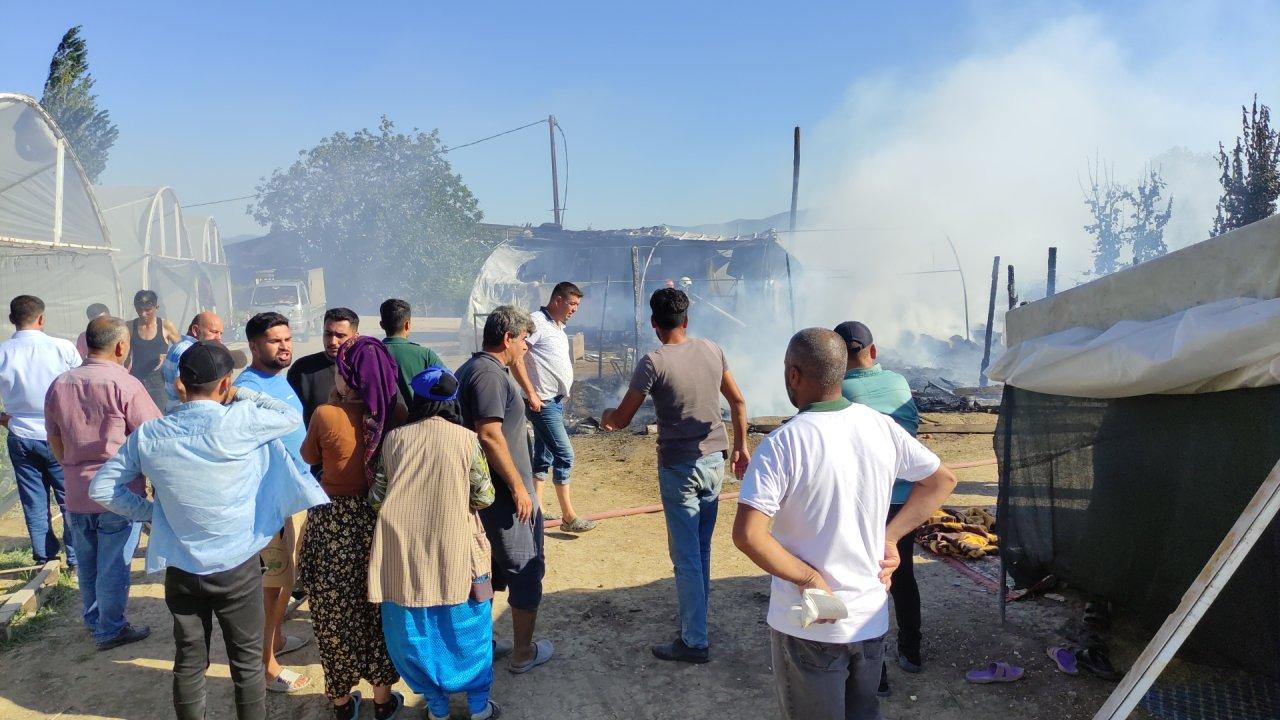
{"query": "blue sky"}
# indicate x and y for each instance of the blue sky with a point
(674, 112)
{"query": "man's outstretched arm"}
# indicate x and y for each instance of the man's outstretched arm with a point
(621, 416)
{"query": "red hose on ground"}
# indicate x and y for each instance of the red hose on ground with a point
(646, 509)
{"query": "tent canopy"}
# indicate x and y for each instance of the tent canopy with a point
(1203, 319)
(1140, 414)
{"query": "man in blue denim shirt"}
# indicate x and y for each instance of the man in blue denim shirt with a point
(686, 377)
(885, 391)
(224, 485)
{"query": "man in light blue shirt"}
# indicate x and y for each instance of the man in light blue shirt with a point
(29, 362)
(224, 485)
(204, 326)
(866, 383)
(271, 346)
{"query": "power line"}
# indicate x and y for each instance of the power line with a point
(218, 202)
(442, 151)
(505, 132)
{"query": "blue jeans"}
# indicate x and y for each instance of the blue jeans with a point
(104, 544)
(690, 500)
(551, 447)
(38, 476)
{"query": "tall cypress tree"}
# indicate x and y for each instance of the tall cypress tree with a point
(1250, 174)
(68, 97)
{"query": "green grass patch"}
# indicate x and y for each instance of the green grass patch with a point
(15, 558)
(59, 599)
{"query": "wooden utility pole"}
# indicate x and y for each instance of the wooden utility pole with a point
(795, 179)
(795, 194)
(555, 179)
(991, 319)
(1013, 291)
(637, 291)
(1051, 284)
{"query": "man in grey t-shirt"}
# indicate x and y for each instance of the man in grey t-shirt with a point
(686, 377)
(493, 407)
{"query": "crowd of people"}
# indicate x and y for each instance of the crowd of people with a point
(398, 496)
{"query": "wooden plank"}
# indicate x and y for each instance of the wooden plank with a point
(28, 599)
(1204, 590)
(19, 570)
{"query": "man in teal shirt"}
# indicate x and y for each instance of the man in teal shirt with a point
(866, 383)
(410, 357)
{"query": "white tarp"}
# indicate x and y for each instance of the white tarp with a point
(53, 243)
(1242, 263)
(1223, 345)
(498, 283)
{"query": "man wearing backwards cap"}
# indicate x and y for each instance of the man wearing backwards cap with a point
(224, 484)
(885, 391)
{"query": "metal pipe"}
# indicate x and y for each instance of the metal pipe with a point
(991, 319)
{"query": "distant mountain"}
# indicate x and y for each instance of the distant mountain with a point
(748, 227)
(240, 238)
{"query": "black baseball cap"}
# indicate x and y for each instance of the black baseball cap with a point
(205, 362)
(855, 334)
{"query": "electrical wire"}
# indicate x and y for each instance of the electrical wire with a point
(442, 151)
(218, 202)
(477, 142)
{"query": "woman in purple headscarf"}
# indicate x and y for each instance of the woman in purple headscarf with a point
(345, 439)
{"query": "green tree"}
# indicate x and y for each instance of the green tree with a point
(68, 97)
(384, 214)
(1106, 202)
(1250, 174)
(1145, 233)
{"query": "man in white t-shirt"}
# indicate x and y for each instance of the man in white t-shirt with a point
(546, 377)
(826, 479)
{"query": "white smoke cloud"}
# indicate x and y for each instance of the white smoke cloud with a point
(991, 150)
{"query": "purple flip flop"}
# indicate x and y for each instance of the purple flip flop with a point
(1064, 659)
(996, 672)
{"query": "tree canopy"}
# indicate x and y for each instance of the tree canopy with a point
(384, 214)
(1250, 174)
(1145, 233)
(1141, 231)
(68, 97)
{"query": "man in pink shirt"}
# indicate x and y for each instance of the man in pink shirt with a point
(88, 413)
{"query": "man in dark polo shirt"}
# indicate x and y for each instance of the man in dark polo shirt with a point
(312, 376)
(493, 406)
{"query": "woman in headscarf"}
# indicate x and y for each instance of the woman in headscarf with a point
(345, 437)
(430, 561)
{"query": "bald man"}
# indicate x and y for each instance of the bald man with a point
(827, 498)
(205, 325)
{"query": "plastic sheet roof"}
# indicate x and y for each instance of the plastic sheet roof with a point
(44, 193)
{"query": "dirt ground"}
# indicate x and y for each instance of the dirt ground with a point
(609, 595)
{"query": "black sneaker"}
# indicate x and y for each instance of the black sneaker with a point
(679, 652)
(884, 691)
(388, 710)
(910, 662)
(129, 634)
